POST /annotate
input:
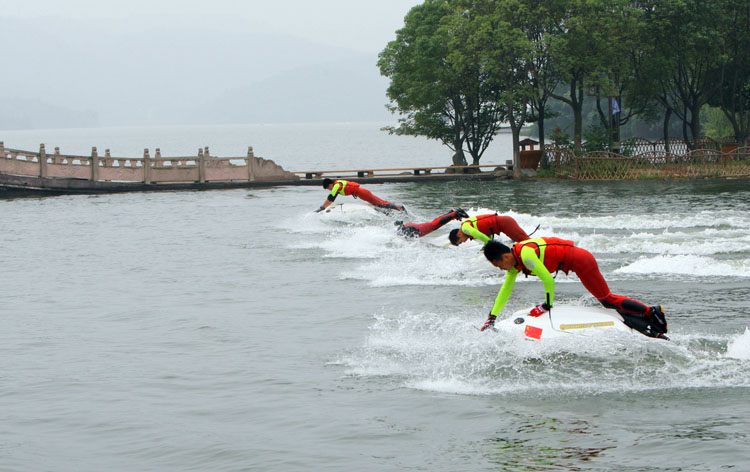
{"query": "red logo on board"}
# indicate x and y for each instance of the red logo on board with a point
(533, 332)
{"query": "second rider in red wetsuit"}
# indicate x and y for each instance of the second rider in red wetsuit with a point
(417, 230)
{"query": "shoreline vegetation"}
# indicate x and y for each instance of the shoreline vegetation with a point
(458, 72)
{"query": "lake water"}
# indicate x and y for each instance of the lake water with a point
(296, 147)
(237, 330)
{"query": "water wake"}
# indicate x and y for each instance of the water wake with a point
(702, 245)
(448, 354)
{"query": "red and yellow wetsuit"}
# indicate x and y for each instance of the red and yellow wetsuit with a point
(482, 227)
(544, 256)
(346, 187)
(418, 230)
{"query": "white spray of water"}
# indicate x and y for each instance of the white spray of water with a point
(688, 265)
(431, 352)
(444, 352)
(739, 346)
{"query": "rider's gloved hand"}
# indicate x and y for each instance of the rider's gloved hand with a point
(320, 209)
(490, 323)
(539, 310)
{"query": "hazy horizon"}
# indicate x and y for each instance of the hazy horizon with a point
(86, 64)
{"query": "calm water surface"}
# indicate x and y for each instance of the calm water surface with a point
(237, 330)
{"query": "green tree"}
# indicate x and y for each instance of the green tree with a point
(422, 85)
(715, 123)
(437, 83)
(733, 96)
(508, 58)
(467, 56)
(688, 34)
(651, 65)
(615, 78)
(577, 48)
(539, 19)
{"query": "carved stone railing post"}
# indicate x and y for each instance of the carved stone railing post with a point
(94, 164)
(250, 160)
(146, 167)
(2, 149)
(202, 165)
(157, 156)
(57, 159)
(42, 161)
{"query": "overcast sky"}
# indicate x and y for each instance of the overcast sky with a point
(361, 25)
(119, 62)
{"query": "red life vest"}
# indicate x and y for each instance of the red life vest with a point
(553, 252)
(486, 224)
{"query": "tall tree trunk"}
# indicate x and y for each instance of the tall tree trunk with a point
(691, 144)
(458, 144)
(576, 93)
(516, 131)
(578, 128)
(667, 118)
(540, 124)
(575, 102)
(458, 158)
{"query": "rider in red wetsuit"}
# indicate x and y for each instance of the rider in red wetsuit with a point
(483, 227)
(543, 256)
(417, 230)
(347, 187)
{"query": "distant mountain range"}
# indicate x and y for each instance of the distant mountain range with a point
(19, 113)
(87, 74)
(340, 91)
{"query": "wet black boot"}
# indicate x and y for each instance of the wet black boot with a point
(647, 325)
(658, 318)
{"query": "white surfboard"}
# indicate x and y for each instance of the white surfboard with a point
(565, 320)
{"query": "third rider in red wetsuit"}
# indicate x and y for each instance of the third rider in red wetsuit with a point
(484, 227)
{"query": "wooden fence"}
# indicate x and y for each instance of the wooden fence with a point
(603, 165)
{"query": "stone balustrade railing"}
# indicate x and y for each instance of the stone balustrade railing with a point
(150, 170)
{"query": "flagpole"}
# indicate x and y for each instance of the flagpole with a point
(610, 130)
(616, 126)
